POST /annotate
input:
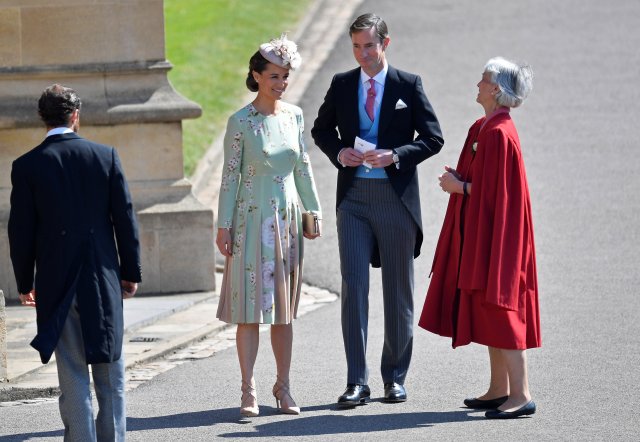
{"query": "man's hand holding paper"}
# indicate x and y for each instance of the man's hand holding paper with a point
(373, 158)
(363, 147)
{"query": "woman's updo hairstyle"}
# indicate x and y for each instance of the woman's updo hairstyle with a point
(256, 63)
(514, 80)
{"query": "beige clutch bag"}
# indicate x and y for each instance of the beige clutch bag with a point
(310, 224)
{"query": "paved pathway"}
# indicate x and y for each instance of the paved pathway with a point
(578, 134)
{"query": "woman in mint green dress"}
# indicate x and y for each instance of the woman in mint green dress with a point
(266, 168)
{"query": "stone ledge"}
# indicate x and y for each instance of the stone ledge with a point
(112, 93)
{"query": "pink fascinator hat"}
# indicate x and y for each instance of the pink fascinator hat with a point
(282, 52)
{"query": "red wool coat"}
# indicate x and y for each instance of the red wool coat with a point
(484, 286)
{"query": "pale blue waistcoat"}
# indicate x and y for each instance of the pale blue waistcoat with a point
(369, 132)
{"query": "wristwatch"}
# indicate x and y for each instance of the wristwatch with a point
(396, 159)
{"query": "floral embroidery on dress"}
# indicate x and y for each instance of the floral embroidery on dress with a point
(280, 180)
(224, 183)
(274, 204)
(252, 283)
(232, 164)
(268, 273)
(267, 301)
(269, 231)
(302, 172)
(268, 284)
(287, 124)
(265, 171)
(255, 120)
(292, 246)
(237, 244)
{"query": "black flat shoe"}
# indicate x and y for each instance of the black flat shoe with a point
(526, 410)
(489, 404)
(355, 394)
(394, 392)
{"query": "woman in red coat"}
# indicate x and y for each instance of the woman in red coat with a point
(484, 286)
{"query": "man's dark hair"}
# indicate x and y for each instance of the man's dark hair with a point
(56, 104)
(368, 21)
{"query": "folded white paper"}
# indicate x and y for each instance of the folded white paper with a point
(364, 146)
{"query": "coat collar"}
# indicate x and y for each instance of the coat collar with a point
(389, 99)
(58, 137)
(352, 80)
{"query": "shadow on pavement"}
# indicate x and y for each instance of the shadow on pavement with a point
(181, 420)
(337, 424)
(297, 426)
(205, 418)
(58, 434)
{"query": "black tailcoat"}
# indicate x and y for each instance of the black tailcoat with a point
(72, 223)
(337, 126)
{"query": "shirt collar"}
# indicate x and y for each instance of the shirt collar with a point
(59, 130)
(379, 78)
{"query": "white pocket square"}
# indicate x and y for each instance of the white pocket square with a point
(400, 104)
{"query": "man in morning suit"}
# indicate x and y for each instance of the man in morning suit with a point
(378, 203)
(73, 221)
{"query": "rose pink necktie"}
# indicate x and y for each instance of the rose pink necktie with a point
(371, 99)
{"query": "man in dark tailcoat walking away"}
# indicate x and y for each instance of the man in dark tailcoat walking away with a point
(73, 225)
(367, 127)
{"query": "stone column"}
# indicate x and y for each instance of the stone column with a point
(112, 53)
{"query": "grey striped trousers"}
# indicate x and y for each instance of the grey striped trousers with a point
(75, 402)
(371, 215)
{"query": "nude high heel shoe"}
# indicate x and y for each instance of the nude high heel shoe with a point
(247, 409)
(280, 391)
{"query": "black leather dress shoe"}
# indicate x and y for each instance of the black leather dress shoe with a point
(527, 409)
(394, 392)
(489, 404)
(355, 394)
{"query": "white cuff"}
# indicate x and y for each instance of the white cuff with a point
(339, 157)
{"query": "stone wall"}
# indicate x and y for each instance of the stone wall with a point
(112, 53)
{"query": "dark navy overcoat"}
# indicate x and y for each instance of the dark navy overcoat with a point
(73, 226)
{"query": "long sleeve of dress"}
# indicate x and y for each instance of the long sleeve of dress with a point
(233, 147)
(303, 175)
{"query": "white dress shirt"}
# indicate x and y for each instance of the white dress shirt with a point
(59, 130)
(379, 79)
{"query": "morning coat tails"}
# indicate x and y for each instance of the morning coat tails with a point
(72, 224)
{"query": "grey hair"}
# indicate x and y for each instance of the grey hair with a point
(514, 80)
